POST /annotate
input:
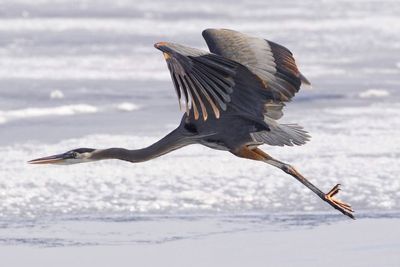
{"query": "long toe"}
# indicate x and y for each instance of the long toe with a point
(334, 190)
(337, 204)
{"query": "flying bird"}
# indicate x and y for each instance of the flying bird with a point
(233, 97)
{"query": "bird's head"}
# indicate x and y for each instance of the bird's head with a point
(74, 156)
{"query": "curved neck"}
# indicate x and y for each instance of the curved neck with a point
(170, 142)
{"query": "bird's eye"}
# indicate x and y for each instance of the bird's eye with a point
(73, 154)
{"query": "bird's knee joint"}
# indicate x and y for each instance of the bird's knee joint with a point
(288, 169)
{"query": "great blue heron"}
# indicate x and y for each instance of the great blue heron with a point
(233, 97)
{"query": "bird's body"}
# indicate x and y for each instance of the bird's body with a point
(232, 99)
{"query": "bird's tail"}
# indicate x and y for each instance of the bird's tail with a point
(282, 135)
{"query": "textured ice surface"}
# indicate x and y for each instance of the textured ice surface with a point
(118, 92)
(344, 149)
(67, 110)
(51, 111)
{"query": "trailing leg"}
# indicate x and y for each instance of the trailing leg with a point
(258, 154)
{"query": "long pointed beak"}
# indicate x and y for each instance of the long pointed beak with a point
(56, 159)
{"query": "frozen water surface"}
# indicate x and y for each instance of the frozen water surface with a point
(85, 74)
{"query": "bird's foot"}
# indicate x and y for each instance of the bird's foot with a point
(337, 204)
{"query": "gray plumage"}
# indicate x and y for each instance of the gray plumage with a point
(245, 78)
(232, 97)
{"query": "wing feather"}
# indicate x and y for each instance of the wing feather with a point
(200, 78)
(202, 83)
(251, 89)
(275, 66)
(203, 92)
(272, 63)
(196, 98)
(222, 81)
(208, 78)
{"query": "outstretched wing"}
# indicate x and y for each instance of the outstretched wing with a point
(208, 83)
(202, 81)
(271, 62)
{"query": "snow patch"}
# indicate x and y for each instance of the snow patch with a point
(66, 110)
(371, 93)
(56, 94)
(126, 106)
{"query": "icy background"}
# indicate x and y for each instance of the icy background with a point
(85, 74)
